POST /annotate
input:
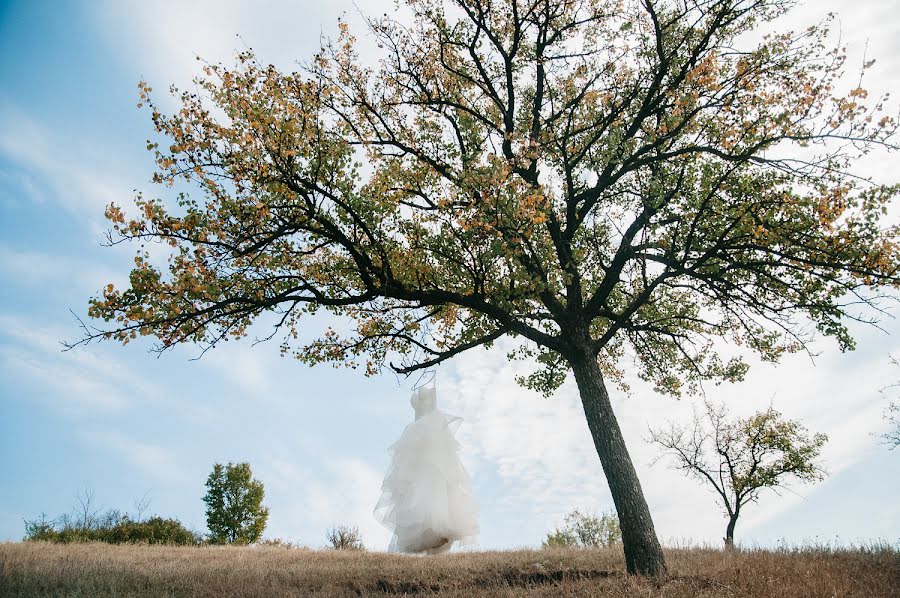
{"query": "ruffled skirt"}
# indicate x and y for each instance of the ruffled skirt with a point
(426, 496)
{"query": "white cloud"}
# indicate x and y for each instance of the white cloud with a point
(85, 379)
(249, 368)
(306, 502)
(153, 461)
(869, 30)
(77, 172)
(77, 380)
(543, 453)
(541, 448)
(865, 26)
(16, 184)
(45, 270)
(163, 39)
(71, 388)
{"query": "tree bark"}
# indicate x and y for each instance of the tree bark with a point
(729, 531)
(643, 553)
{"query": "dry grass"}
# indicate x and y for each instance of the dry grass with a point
(38, 569)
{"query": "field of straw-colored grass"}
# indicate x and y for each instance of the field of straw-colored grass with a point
(39, 569)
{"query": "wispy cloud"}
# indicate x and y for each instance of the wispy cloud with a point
(540, 448)
(335, 491)
(248, 368)
(69, 387)
(75, 170)
(152, 461)
(76, 380)
(17, 188)
(543, 453)
(163, 40)
(24, 268)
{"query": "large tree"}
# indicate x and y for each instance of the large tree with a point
(596, 179)
(742, 457)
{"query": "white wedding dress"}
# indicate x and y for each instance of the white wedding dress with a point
(426, 496)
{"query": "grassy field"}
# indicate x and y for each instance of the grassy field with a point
(38, 569)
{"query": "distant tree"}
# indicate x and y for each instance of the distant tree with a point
(234, 510)
(140, 506)
(39, 529)
(86, 515)
(586, 531)
(344, 537)
(740, 458)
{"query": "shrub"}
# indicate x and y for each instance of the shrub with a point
(560, 537)
(40, 529)
(154, 530)
(586, 531)
(343, 537)
(112, 528)
(277, 543)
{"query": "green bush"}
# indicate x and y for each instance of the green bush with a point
(560, 537)
(154, 530)
(40, 529)
(113, 529)
(586, 531)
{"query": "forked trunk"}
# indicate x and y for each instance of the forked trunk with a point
(643, 553)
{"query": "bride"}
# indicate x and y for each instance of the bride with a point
(426, 496)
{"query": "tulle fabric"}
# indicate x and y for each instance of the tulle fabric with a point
(426, 496)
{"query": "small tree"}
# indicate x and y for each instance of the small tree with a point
(586, 531)
(40, 529)
(85, 514)
(234, 510)
(740, 458)
(344, 537)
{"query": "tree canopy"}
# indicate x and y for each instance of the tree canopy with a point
(523, 169)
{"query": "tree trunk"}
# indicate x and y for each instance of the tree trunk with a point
(643, 553)
(729, 532)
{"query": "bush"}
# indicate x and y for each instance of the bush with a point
(343, 537)
(560, 537)
(112, 528)
(278, 543)
(40, 529)
(586, 531)
(154, 530)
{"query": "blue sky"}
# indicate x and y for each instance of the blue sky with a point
(126, 423)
